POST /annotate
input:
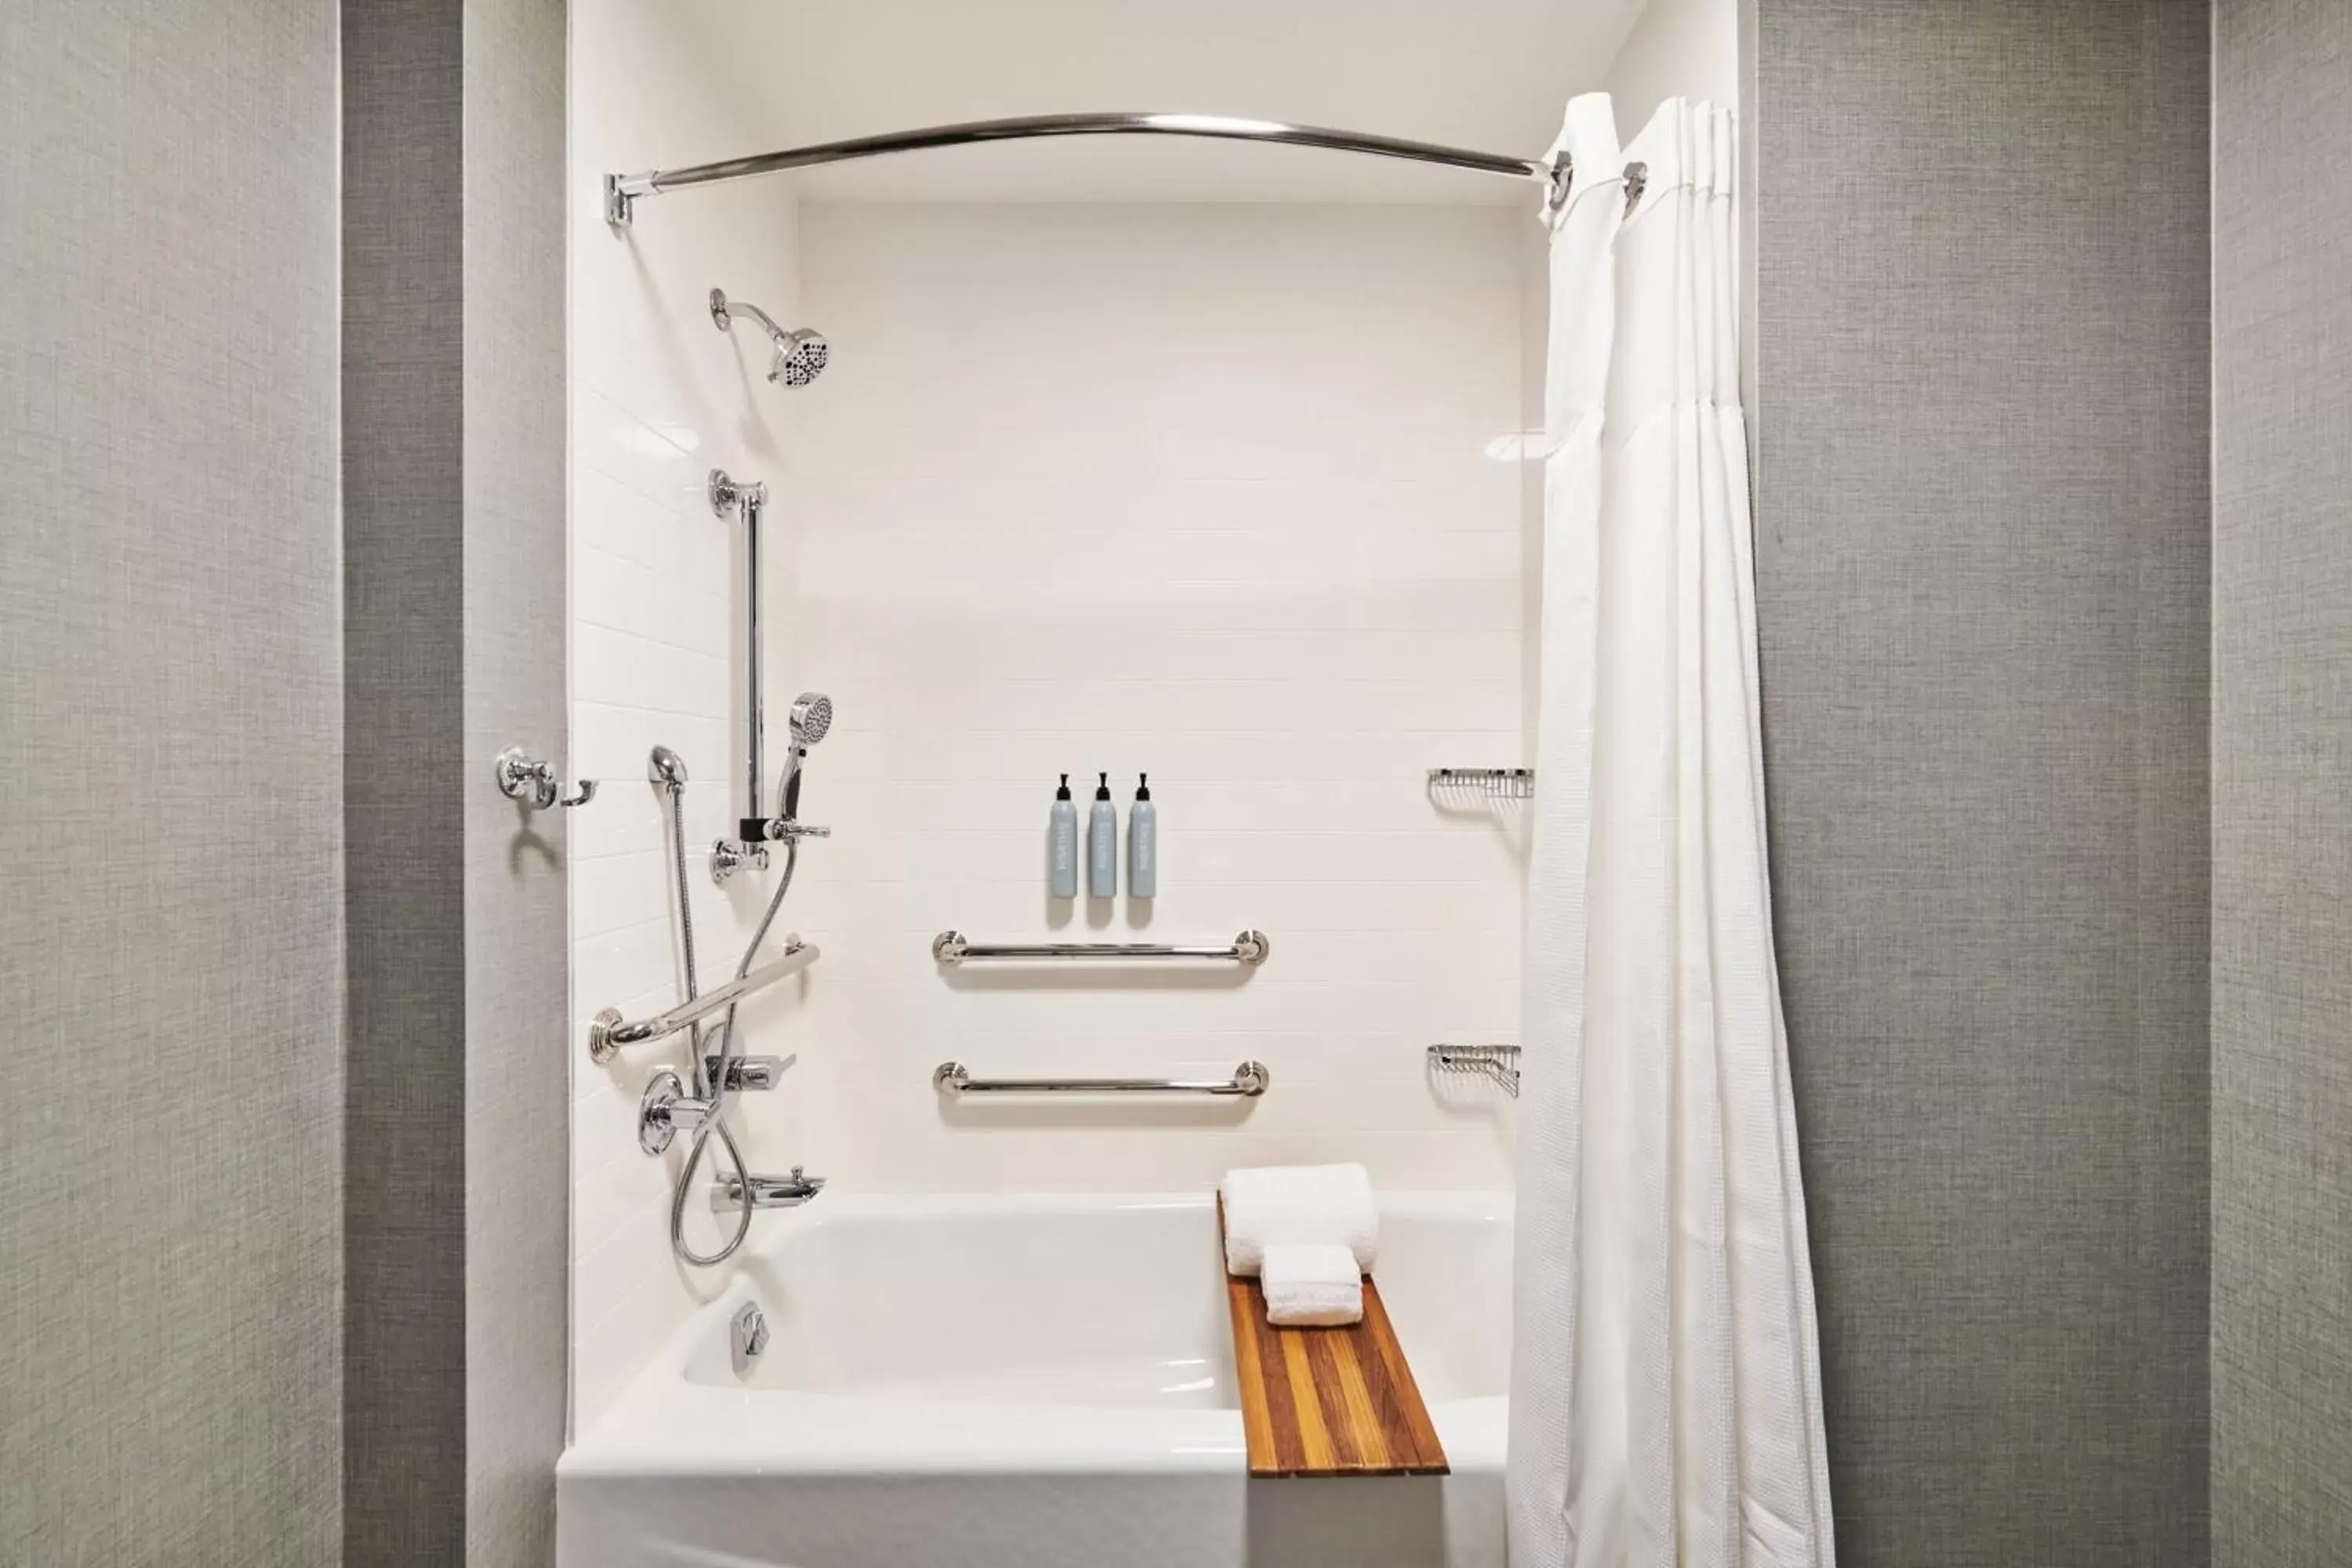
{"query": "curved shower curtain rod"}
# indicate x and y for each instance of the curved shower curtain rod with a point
(621, 191)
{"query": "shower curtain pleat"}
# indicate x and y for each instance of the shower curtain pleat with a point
(1665, 1399)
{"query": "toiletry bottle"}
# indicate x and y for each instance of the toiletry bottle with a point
(1062, 865)
(1142, 842)
(1102, 844)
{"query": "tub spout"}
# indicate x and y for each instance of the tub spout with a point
(767, 1192)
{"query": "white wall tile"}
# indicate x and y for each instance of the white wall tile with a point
(658, 398)
(1196, 490)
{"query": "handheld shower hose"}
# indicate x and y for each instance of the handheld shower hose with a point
(710, 1085)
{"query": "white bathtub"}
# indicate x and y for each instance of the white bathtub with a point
(1029, 1382)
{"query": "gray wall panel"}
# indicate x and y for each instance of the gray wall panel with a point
(403, 386)
(2282, 810)
(455, 479)
(170, 784)
(1982, 564)
(518, 1003)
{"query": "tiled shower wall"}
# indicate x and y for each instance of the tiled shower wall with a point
(1195, 490)
(658, 398)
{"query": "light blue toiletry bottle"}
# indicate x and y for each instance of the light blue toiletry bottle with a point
(1062, 858)
(1102, 844)
(1142, 842)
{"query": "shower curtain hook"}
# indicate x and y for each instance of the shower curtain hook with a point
(1563, 175)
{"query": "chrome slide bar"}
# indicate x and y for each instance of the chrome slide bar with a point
(608, 1031)
(952, 947)
(621, 191)
(1250, 1079)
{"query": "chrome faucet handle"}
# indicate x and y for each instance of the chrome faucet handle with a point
(665, 1110)
(750, 1075)
(784, 830)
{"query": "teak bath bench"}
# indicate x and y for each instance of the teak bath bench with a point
(1326, 1402)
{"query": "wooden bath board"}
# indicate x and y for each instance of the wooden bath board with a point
(1326, 1402)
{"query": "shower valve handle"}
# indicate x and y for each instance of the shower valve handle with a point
(784, 830)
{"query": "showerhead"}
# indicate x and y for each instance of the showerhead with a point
(665, 768)
(801, 353)
(812, 716)
(800, 357)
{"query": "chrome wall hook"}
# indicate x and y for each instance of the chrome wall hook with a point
(532, 781)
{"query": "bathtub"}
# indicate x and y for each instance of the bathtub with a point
(1029, 1382)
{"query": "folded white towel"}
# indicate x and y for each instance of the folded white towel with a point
(1311, 1285)
(1266, 1205)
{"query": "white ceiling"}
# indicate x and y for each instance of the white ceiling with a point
(1486, 74)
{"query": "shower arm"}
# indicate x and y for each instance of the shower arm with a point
(723, 310)
(621, 191)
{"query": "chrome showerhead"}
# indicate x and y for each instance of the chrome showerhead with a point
(801, 353)
(800, 357)
(812, 716)
(665, 768)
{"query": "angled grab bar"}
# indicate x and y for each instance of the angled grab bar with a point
(608, 1031)
(952, 947)
(1249, 1080)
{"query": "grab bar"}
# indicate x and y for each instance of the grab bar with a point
(1250, 1078)
(608, 1031)
(952, 947)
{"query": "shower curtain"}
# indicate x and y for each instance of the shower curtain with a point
(1665, 1390)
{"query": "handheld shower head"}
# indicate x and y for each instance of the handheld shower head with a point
(665, 768)
(810, 718)
(801, 353)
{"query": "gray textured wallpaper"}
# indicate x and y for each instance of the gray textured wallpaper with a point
(517, 994)
(454, 483)
(2282, 786)
(1982, 583)
(171, 1202)
(404, 799)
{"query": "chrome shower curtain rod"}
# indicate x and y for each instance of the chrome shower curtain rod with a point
(621, 191)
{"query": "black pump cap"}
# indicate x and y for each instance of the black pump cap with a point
(1143, 786)
(1063, 793)
(1102, 791)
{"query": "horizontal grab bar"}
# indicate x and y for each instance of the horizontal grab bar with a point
(608, 1031)
(952, 947)
(1250, 1078)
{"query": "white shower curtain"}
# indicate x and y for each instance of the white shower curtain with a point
(1665, 1390)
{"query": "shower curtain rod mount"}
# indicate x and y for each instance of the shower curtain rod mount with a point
(621, 191)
